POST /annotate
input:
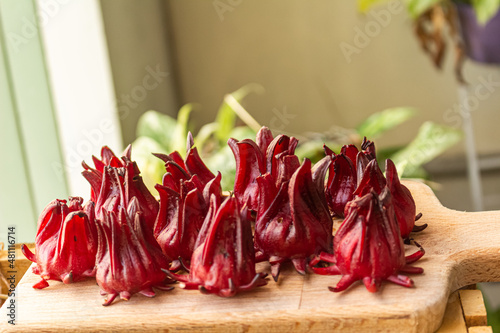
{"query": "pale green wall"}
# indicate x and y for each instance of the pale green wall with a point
(29, 141)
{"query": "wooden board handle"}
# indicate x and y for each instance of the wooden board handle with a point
(467, 243)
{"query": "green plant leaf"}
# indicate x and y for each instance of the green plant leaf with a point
(157, 126)
(205, 133)
(224, 162)
(485, 9)
(313, 149)
(226, 116)
(365, 5)
(387, 152)
(417, 7)
(152, 168)
(432, 140)
(179, 136)
(492, 313)
(381, 122)
(242, 132)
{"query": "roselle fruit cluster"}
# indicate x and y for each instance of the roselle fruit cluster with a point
(202, 232)
(184, 202)
(109, 238)
(292, 218)
(293, 204)
(280, 211)
(379, 213)
(223, 262)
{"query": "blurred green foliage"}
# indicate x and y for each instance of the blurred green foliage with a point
(159, 133)
(485, 9)
(493, 315)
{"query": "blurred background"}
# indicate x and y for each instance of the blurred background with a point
(79, 74)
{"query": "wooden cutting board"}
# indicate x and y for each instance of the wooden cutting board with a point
(461, 249)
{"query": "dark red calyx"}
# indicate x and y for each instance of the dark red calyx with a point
(223, 262)
(250, 164)
(119, 186)
(339, 191)
(345, 174)
(116, 181)
(404, 205)
(195, 166)
(368, 148)
(129, 260)
(351, 152)
(264, 138)
(108, 158)
(183, 207)
(267, 154)
(135, 188)
(369, 247)
(190, 166)
(372, 180)
(65, 244)
(281, 146)
(293, 222)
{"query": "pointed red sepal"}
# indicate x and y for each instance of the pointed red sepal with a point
(223, 262)
(250, 164)
(404, 205)
(128, 260)
(373, 180)
(65, 245)
(368, 246)
(183, 209)
(264, 138)
(293, 222)
(341, 188)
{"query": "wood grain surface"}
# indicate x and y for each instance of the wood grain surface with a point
(461, 249)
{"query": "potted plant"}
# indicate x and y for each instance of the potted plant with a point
(480, 27)
(472, 26)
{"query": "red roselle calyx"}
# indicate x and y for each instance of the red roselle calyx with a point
(65, 244)
(192, 165)
(223, 262)
(119, 185)
(250, 164)
(404, 205)
(368, 246)
(372, 180)
(345, 173)
(293, 222)
(185, 193)
(272, 155)
(108, 158)
(184, 203)
(129, 260)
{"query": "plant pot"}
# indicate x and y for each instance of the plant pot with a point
(482, 42)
